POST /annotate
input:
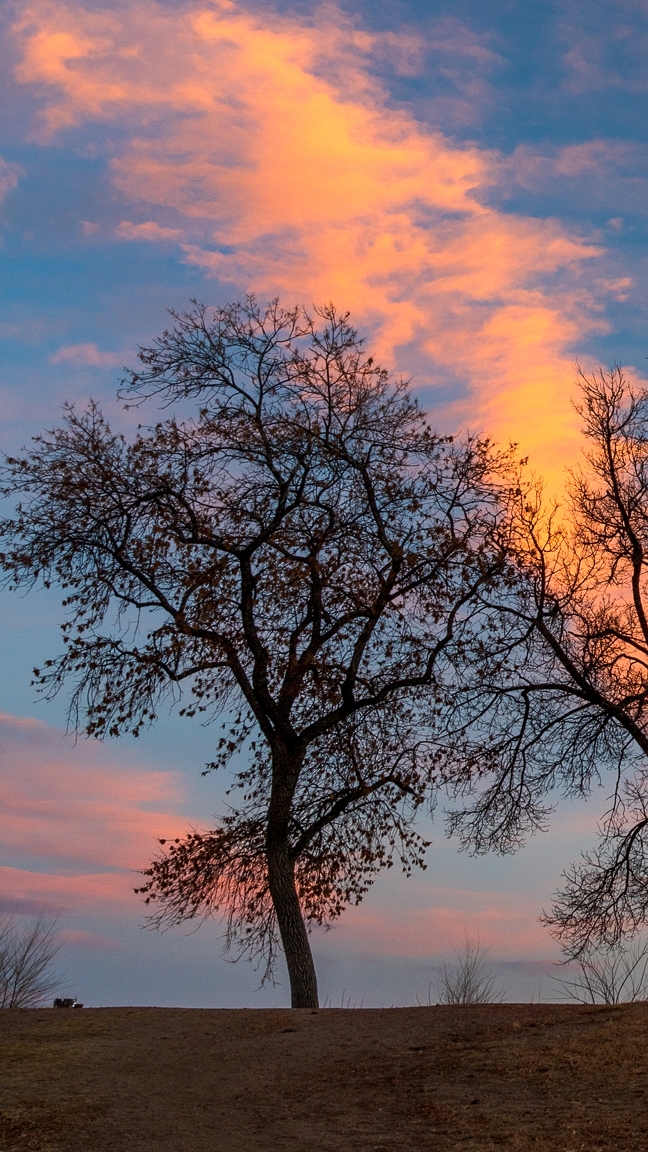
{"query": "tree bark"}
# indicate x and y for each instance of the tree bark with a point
(281, 879)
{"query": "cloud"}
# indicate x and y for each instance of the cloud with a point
(149, 230)
(9, 177)
(73, 824)
(507, 922)
(604, 52)
(22, 723)
(619, 289)
(607, 171)
(86, 356)
(74, 827)
(270, 143)
(92, 940)
(32, 891)
(462, 62)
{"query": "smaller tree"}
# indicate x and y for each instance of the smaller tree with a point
(615, 975)
(27, 952)
(568, 704)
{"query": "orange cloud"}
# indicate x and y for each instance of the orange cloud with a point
(266, 146)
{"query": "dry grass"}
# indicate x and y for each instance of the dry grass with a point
(512, 1077)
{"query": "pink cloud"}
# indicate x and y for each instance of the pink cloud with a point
(604, 171)
(92, 940)
(74, 828)
(106, 894)
(593, 155)
(588, 64)
(618, 288)
(22, 723)
(70, 803)
(508, 923)
(86, 356)
(585, 73)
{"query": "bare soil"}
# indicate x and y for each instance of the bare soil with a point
(518, 1077)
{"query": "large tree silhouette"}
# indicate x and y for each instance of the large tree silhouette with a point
(296, 546)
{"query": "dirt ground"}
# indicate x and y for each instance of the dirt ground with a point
(507, 1076)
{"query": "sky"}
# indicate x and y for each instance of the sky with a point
(471, 182)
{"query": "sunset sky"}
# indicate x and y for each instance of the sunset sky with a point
(470, 180)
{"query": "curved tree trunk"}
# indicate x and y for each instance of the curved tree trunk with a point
(294, 937)
(281, 878)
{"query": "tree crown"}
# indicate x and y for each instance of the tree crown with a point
(294, 544)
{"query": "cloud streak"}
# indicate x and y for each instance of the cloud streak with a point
(148, 230)
(73, 824)
(506, 922)
(86, 356)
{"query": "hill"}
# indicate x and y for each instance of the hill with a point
(545, 1078)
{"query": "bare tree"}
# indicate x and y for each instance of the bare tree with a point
(27, 951)
(609, 975)
(569, 705)
(468, 980)
(311, 561)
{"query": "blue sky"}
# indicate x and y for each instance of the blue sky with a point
(471, 180)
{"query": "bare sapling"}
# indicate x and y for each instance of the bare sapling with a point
(468, 980)
(27, 952)
(616, 974)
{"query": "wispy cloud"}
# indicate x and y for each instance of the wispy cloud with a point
(605, 51)
(599, 172)
(9, 177)
(30, 891)
(74, 826)
(149, 231)
(76, 803)
(442, 921)
(73, 823)
(86, 356)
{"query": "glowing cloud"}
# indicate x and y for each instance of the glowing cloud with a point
(267, 148)
(74, 824)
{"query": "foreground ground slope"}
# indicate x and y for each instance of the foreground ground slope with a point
(189, 1080)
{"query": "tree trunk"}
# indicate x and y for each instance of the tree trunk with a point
(281, 878)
